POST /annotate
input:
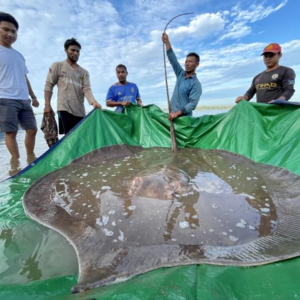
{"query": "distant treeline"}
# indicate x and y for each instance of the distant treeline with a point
(208, 107)
(214, 107)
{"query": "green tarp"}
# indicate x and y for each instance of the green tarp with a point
(264, 133)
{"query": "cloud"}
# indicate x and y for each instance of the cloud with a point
(239, 25)
(200, 26)
(129, 32)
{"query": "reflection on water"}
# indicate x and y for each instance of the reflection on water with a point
(15, 166)
(32, 252)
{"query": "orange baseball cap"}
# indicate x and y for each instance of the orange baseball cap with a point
(273, 48)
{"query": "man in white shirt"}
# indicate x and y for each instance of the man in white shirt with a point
(15, 88)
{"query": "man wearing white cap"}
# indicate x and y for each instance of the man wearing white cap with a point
(275, 83)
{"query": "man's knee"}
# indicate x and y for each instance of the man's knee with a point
(11, 134)
(31, 132)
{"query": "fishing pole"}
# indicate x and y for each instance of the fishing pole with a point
(172, 130)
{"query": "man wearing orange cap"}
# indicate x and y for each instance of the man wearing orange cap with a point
(275, 83)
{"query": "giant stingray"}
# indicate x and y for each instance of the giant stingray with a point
(128, 210)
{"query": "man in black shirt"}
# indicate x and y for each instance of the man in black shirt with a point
(275, 83)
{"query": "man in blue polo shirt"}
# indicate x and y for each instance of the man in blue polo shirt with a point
(188, 89)
(123, 92)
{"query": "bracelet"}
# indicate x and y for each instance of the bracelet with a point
(33, 97)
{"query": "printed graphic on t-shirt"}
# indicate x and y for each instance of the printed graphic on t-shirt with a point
(265, 86)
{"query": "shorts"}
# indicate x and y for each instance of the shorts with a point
(15, 112)
(67, 121)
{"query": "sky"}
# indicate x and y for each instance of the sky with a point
(228, 35)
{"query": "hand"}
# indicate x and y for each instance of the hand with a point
(174, 115)
(35, 102)
(97, 105)
(165, 38)
(274, 100)
(48, 111)
(125, 103)
(140, 103)
(239, 99)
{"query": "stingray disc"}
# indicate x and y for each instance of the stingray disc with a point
(224, 210)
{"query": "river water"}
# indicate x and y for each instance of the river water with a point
(10, 167)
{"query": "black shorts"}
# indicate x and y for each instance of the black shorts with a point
(67, 121)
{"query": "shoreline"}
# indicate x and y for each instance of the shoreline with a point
(207, 107)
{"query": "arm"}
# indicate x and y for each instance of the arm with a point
(288, 82)
(175, 114)
(249, 94)
(35, 102)
(194, 98)
(87, 91)
(48, 111)
(138, 97)
(111, 100)
(51, 81)
(111, 103)
(240, 98)
(171, 55)
(92, 101)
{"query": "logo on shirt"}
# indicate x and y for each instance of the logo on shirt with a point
(119, 93)
(71, 81)
(132, 90)
(274, 76)
(266, 86)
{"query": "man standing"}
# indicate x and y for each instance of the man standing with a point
(123, 92)
(275, 83)
(15, 89)
(188, 89)
(73, 84)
